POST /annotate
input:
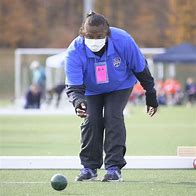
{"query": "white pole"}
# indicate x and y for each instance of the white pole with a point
(151, 65)
(160, 71)
(17, 74)
(87, 6)
(172, 70)
(49, 83)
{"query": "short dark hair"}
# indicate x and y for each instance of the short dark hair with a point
(94, 19)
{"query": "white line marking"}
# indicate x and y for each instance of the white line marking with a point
(23, 182)
(73, 162)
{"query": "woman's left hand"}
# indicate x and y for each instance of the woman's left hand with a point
(151, 111)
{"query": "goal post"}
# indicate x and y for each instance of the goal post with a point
(36, 53)
(30, 54)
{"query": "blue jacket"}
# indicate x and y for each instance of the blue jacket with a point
(123, 59)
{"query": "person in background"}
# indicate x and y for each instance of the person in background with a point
(190, 91)
(38, 76)
(137, 95)
(57, 90)
(161, 94)
(173, 91)
(102, 65)
(33, 97)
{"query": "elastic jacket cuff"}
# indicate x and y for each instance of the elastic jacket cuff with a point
(151, 99)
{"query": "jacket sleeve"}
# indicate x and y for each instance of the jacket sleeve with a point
(75, 94)
(147, 81)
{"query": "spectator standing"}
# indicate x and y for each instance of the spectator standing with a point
(38, 76)
(190, 91)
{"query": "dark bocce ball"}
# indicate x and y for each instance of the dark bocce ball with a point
(58, 182)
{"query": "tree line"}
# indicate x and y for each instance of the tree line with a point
(49, 23)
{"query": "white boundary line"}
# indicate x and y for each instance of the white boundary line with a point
(36, 112)
(73, 162)
(23, 182)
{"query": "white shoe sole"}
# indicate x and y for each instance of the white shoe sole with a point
(119, 180)
(88, 180)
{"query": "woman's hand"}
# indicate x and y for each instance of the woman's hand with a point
(81, 110)
(151, 111)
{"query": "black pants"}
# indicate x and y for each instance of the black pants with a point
(104, 129)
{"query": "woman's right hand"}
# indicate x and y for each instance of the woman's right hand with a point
(81, 110)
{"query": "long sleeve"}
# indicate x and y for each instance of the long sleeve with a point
(147, 81)
(75, 94)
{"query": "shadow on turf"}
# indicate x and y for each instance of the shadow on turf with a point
(162, 182)
(146, 182)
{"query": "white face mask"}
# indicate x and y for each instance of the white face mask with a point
(95, 44)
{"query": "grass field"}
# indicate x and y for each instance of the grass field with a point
(60, 135)
(136, 183)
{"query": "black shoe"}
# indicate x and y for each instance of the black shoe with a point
(87, 174)
(113, 175)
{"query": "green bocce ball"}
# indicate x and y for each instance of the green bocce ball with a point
(59, 182)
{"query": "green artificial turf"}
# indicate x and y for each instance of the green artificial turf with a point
(136, 183)
(60, 135)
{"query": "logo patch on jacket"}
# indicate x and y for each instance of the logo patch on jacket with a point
(116, 61)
